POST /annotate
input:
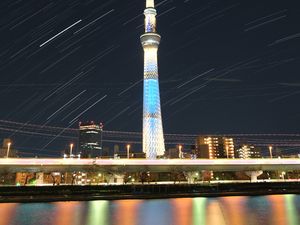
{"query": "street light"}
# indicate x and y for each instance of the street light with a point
(8, 148)
(270, 150)
(128, 148)
(71, 149)
(283, 173)
(180, 151)
(227, 151)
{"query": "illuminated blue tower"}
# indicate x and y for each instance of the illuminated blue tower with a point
(153, 137)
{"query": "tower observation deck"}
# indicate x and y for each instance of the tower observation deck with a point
(153, 137)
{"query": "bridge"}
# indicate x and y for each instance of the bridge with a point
(143, 165)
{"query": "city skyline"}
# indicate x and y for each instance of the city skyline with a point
(70, 62)
(186, 113)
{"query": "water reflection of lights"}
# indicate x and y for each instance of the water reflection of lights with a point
(199, 211)
(98, 213)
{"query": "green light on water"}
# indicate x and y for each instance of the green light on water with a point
(199, 211)
(291, 210)
(98, 213)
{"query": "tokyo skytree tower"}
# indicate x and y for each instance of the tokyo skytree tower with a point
(153, 137)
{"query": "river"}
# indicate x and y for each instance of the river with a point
(240, 210)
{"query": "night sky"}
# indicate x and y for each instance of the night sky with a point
(224, 66)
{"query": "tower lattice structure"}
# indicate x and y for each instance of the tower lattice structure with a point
(153, 137)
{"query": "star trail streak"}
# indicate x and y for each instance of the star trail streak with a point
(55, 36)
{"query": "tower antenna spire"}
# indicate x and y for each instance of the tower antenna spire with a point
(149, 3)
(153, 136)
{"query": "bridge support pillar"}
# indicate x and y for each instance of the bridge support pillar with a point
(254, 174)
(39, 178)
(191, 176)
(109, 178)
(119, 178)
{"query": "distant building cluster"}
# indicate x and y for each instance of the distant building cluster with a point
(89, 145)
(214, 147)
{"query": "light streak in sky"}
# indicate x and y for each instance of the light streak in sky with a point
(55, 36)
(162, 3)
(59, 60)
(65, 105)
(95, 20)
(290, 37)
(188, 94)
(31, 16)
(72, 121)
(76, 77)
(265, 17)
(78, 107)
(130, 87)
(167, 11)
(116, 116)
(200, 75)
(264, 23)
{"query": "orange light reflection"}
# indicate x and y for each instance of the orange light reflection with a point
(66, 213)
(7, 211)
(126, 212)
(278, 209)
(230, 207)
(215, 215)
(183, 209)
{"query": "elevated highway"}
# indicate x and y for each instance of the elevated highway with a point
(143, 165)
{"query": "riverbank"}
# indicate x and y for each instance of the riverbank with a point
(139, 191)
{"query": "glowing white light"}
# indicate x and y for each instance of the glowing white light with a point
(153, 137)
(150, 4)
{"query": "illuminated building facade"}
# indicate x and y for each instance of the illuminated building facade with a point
(214, 147)
(247, 152)
(90, 139)
(153, 137)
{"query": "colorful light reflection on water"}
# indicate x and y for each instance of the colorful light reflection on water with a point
(262, 210)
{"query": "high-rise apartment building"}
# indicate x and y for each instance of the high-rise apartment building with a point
(247, 152)
(90, 139)
(213, 147)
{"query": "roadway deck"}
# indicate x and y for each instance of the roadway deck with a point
(142, 165)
